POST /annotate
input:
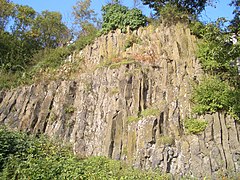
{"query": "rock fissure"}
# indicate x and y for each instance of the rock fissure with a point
(134, 111)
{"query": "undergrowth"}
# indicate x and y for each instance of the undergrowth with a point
(219, 90)
(195, 126)
(30, 157)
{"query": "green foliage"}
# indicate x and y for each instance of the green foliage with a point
(52, 118)
(51, 58)
(49, 29)
(10, 144)
(194, 7)
(28, 157)
(116, 16)
(6, 11)
(218, 55)
(84, 15)
(212, 95)
(86, 37)
(145, 113)
(166, 140)
(70, 109)
(195, 126)
(234, 24)
(171, 14)
(197, 28)
(15, 54)
(10, 80)
(20, 43)
(150, 112)
(132, 39)
(132, 119)
(216, 51)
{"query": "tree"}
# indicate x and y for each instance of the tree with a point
(84, 16)
(24, 17)
(17, 46)
(6, 11)
(193, 7)
(234, 24)
(136, 3)
(116, 16)
(49, 29)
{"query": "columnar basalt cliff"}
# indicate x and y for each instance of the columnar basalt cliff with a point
(132, 109)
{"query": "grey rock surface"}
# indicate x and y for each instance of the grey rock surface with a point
(94, 111)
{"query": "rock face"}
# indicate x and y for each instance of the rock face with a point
(131, 110)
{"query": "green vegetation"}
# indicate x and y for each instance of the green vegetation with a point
(145, 113)
(132, 119)
(52, 118)
(166, 140)
(34, 45)
(116, 16)
(150, 112)
(70, 109)
(219, 90)
(132, 39)
(195, 126)
(212, 95)
(171, 15)
(193, 7)
(28, 157)
(114, 65)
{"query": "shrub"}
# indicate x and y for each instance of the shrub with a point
(171, 14)
(166, 140)
(215, 51)
(195, 126)
(212, 95)
(51, 58)
(87, 37)
(28, 157)
(70, 109)
(116, 16)
(131, 119)
(131, 40)
(150, 112)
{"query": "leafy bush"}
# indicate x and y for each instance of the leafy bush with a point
(28, 157)
(47, 60)
(86, 37)
(150, 112)
(216, 51)
(218, 56)
(166, 140)
(171, 14)
(10, 79)
(131, 40)
(197, 28)
(11, 144)
(51, 58)
(212, 95)
(195, 126)
(131, 119)
(116, 16)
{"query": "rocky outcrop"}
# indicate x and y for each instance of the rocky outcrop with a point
(131, 110)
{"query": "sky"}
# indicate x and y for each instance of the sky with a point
(65, 8)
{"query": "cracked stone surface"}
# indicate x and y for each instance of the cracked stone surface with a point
(92, 111)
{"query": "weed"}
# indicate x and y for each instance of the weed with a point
(114, 90)
(70, 109)
(166, 140)
(195, 126)
(52, 117)
(150, 112)
(132, 39)
(132, 119)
